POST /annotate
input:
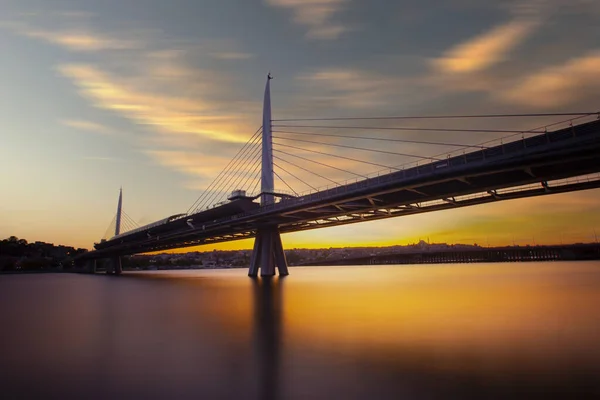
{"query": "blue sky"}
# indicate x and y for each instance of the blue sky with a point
(157, 96)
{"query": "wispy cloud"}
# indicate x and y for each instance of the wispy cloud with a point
(485, 50)
(557, 86)
(98, 158)
(82, 41)
(167, 114)
(169, 86)
(203, 168)
(355, 88)
(89, 126)
(316, 15)
(75, 39)
(192, 163)
(232, 56)
(150, 78)
(488, 62)
(346, 87)
(495, 45)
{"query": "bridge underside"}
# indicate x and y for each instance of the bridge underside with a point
(534, 170)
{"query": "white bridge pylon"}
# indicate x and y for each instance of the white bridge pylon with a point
(114, 263)
(268, 250)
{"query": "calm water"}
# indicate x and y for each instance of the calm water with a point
(444, 331)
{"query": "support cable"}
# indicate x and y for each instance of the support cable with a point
(286, 184)
(441, 117)
(124, 217)
(304, 169)
(248, 174)
(224, 170)
(294, 176)
(131, 220)
(323, 164)
(320, 163)
(124, 226)
(129, 224)
(216, 184)
(233, 180)
(216, 191)
(583, 115)
(516, 133)
(257, 182)
(382, 139)
(359, 148)
(127, 227)
(389, 128)
(334, 155)
(218, 194)
(110, 228)
(252, 175)
(534, 130)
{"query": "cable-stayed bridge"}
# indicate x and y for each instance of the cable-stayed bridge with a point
(243, 201)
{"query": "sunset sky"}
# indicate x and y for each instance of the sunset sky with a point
(157, 96)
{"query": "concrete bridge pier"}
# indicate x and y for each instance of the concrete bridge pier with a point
(114, 266)
(90, 266)
(268, 253)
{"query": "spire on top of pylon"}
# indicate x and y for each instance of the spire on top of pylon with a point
(267, 184)
(119, 212)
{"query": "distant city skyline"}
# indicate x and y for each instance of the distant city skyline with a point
(157, 99)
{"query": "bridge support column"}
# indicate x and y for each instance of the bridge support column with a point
(91, 266)
(114, 266)
(268, 250)
(268, 253)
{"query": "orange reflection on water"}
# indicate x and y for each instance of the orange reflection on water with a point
(452, 317)
(538, 317)
(496, 323)
(444, 331)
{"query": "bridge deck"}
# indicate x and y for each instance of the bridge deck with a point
(473, 178)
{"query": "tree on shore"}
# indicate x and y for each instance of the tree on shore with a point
(18, 254)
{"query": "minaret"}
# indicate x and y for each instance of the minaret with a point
(267, 179)
(119, 208)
